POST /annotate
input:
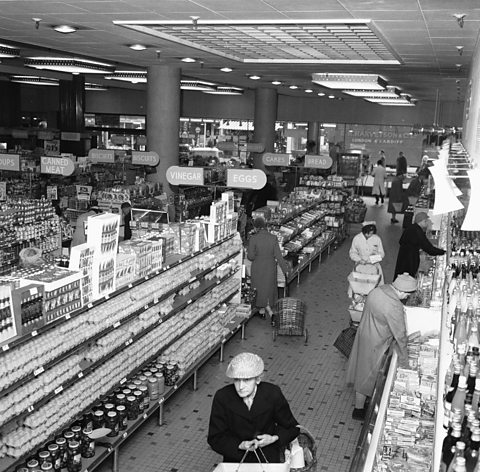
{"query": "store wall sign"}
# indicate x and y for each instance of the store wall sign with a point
(318, 162)
(246, 178)
(272, 159)
(10, 162)
(46, 135)
(177, 175)
(102, 155)
(19, 133)
(69, 136)
(145, 158)
(56, 165)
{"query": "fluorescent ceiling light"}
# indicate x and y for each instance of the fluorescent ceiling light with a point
(8, 51)
(68, 64)
(276, 82)
(33, 80)
(132, 76)
(389, 92)
(226, 69)
(199, 85)
(350, 81)
(97, 87)
(386, 100)
(221, 90)
(189, 59)
(138, 47)
(254, 77)
(65, 29)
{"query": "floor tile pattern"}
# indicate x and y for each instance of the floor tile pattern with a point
(311, 376)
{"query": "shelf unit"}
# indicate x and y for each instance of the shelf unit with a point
(229, 282)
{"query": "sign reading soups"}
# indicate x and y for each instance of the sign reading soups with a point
(56, 165)
(10, 162)
(246, 178)
(185, 175)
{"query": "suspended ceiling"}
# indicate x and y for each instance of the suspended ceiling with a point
(418, 46)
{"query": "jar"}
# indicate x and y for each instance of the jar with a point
(54, 451)
(137, 384)
(108, 407)
(146, 397)
(22, 469)
(77, 432)
(87, 420)
(122, 417)
(69, 436)
(161, 383)
(127, 392)
(111, 422)
(153, 370)
(132, 408)
(153, 389)
(139, 396)
(44, 456)
(120, 399)
(62, 447)
(148, 374)
(74, 460)
(143, 379)
(88, 444)
(33, 466)
(170, 375)
(132, 386)
(47, 466)
(98, 419)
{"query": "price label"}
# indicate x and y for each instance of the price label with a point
(38, 371)
(34, 333)
(130, 285)
(58, 390)
(175, 387)
(80, 375)
(146, 277)
(123, 380)
(30, 408)
(161, 401)
(157, 272)
(33, 291)
(90, 305)
(224, 341)
(189, 301)
(116, 324)
(124, 435)
(130, 341)
(218, 282)
(180, 261)
(145, 416)
(155, 300)
(146, 306)
(5, 348)
(192, 279)
(67, 316)
(168, 267)
(107, 297)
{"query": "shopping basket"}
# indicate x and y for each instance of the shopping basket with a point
(307, 442)
(252, 466)
(289, 318)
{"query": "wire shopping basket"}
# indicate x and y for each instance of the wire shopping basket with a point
(289, 318)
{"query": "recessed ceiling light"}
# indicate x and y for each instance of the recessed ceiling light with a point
(138, 47)
(331, 96)
(226, 69)
(308, 90)
(293, 87)
(65, 29)
(188, 59)
(276, 82)
(321, 94)
(254, 77)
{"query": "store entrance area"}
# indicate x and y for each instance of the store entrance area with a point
(311, 376)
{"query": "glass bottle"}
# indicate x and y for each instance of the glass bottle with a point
(471, 382)
(448, 446)
(459, 454)
(458, 400)
(472, 452)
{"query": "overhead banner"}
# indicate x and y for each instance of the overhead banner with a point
(246, 178)
(10, 162)
(272, 159)
(102, 155)
(177, 175)
(318, 162)
(249, 147)
(56, 165)
(69, 136)
(145, 158)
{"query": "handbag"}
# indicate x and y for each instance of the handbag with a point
(344, 341)
(252, 466)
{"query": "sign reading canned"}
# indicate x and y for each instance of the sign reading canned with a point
(185, 175)
(272, 159)
(9, 162)
(56, 165)
(102, 155)
(145, 158)
(246, 178)
(318, 162)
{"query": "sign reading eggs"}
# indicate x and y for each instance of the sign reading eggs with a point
(246, 178)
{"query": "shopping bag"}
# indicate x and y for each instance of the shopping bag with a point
(251, 467)
(344, 342)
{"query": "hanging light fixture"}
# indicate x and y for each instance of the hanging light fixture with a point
(68, 64)
(8, 51)
(472, 217)
(221, 90)
(198, 85)
(33, 80)
(133, 76)
(350, 81)
(445, 199)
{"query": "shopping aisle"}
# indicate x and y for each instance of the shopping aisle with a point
(311, 377)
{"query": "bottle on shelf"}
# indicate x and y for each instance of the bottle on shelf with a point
(472, 451)
(448, 447)
(458, 458)
(458, 401)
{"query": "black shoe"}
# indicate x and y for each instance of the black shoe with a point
(393, 220)
(358, 414)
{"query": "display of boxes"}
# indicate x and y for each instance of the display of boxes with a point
(158, 252)
(81, 259)
(229, 197)
(200, 234)
(125, 269)
(143, 252)
(218, 211)
(27, 304)
(168, 243)
(8, 328)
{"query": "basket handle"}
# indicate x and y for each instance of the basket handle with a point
(258, 458)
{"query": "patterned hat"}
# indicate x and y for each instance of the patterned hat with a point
(405, 283)
(245, 365)
(420, 216)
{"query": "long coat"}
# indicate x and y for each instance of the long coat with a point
(264, 252)
(397, 195)
(412, 240)
(383, 320)
(379, 172)
(231, 422)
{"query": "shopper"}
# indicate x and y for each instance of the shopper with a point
(412, 240)
(415, 187)
(379, 173)
(397, 198)
(126, 210)
(250, 414)
(80, 233)
(264, 252)
(401, 164)
(423, 169)
(382, 156)
(382, 322)
(367, 248)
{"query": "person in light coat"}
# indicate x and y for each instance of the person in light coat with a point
(367, 247)
(382, 323)
(379, 173)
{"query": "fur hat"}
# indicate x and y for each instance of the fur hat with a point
(245, 365)
(405, 283)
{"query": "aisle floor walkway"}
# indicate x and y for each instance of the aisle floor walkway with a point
(311, 376)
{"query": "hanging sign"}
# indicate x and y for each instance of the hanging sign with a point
(246, 178)
(145, 158)
(10, 162)
(177, 175)
(3, 191)
(20, 133)
(48, 135)
(318, 162)
(272, 159)
(51, 147)
(69, 136)
(142, 140)
(83, 192)
(52, 192)
(102, 155)
(249, 147)
(56, 165)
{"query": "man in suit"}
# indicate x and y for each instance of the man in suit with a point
(250, 414)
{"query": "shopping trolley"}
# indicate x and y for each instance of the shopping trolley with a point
(289, 318)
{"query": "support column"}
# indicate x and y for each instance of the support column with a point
(313, 135)
(71, 114)
(264, 122)
(10, 111)
(163, 119)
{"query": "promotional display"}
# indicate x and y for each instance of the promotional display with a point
(81, 260)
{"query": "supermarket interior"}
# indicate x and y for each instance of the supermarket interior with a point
(184, 181)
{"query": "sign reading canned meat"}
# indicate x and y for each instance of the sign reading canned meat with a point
(56, 165)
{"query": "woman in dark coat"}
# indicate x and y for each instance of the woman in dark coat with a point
(398, 199)
(250, 414)
(264, 252)
(412, 240)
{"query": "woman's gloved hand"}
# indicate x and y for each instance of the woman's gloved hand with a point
(266, 439)
(248, 445)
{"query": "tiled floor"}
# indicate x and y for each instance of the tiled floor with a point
(311, 376)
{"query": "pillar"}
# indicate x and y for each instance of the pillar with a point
(163, 119)
(10, 111)
(313, 135)
(264, 122)
(71, 112)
